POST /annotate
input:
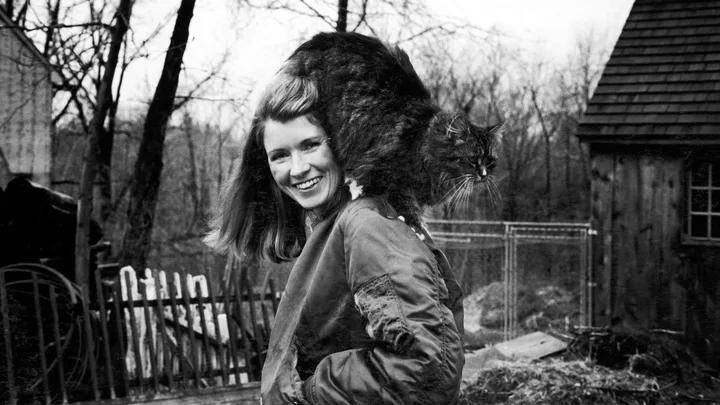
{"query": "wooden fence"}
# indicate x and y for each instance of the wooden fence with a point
(130, 337)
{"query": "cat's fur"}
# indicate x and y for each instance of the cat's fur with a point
(388, 134)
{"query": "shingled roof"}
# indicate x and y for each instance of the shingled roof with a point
(662, 82)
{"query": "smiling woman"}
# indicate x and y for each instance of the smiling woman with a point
(371, 313)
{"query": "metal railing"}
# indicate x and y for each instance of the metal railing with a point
(538, 258)
(128, 338)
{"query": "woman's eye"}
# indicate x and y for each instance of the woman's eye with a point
(275, 157)
(311, 145)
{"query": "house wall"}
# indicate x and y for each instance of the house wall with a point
(645, 275)
(25, 110)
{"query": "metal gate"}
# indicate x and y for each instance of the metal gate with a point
(534, 263)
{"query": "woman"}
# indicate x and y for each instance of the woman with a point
(371, 313)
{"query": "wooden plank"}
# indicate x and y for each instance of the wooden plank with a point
(162, 329)
(532, 346)
(603, 172)
(628, 207)
(246, 394)
(119, 319)
(105, 334)
(135, 340)
(216, 321)
(150, 337)
(232, 328)
(240, 322)
(650, 236)
(179, 355)
(671, 214)
(194, 352)
(90, 344)
(206, 352)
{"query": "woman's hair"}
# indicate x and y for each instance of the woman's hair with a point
(254, 218)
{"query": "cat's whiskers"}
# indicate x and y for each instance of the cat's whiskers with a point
(456, 183)
(460, 190)
(468, 191)
(495, 194)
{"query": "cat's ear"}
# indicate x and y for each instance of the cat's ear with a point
(403, 59)
(497, 130)
(453, 129)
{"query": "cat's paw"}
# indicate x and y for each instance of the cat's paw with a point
(355, 190)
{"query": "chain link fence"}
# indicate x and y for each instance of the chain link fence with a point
(519, 277)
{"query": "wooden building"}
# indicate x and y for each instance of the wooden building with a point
(653, 130)
(26, 128)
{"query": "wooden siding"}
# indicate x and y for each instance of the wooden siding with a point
(25, 108)
(646, 276)
(662, 81)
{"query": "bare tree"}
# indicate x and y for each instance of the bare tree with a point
(104, 99)
(548, 131)
(411, 18)
(148, 167)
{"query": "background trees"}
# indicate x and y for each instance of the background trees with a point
(176, 147)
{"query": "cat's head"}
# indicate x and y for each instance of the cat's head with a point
(457, 156)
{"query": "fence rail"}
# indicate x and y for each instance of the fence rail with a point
(129, 337)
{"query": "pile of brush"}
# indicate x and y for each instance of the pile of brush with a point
(602, 366)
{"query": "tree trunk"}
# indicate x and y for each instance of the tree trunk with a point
(548, 160)
(148, 167)
(568, 154)
(192, 182)
(103, 181)
(89, 170)
(342, 16)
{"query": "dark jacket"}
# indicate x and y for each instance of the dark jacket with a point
(370, 315)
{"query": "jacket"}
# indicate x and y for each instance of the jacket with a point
(371, 314)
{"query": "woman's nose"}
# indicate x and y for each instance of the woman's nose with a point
(299, 166)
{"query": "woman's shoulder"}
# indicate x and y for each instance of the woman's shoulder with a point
(364, 208)
(374, 214)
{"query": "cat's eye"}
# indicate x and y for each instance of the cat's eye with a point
(490, 163)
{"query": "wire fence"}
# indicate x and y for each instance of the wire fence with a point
(131, 337)
(519, 277)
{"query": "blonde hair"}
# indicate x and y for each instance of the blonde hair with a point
(253, 217)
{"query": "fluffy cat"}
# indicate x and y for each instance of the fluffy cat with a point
(390, 138)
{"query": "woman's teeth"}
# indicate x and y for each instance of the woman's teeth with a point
(308, 184)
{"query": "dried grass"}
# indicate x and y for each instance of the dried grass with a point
(603, 366)
(557, 382)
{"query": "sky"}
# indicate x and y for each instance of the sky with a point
(255, 43)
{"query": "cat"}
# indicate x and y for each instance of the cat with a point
(390, 138)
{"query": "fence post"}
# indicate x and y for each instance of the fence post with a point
(4, 311)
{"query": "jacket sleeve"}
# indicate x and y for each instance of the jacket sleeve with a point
(417, 357)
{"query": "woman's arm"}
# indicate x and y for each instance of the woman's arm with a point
(399, 291)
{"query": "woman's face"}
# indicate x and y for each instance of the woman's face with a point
(301, 161)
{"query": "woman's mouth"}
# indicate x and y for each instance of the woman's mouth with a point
(306, 185)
